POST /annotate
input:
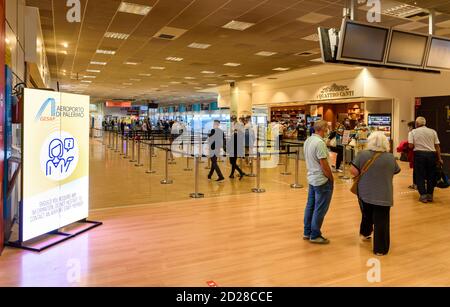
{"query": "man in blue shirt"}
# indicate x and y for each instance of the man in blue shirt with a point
(321, 183)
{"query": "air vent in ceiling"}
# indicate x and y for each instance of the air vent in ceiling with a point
(404, 11)
(169, 33)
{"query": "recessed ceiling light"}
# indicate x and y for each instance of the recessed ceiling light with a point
(64, 52)
(199, 46)
(117, 35)
(251, 76)
(232, 64)
(93, 70)
(281, 68)
(314, 18)
(313, 37)
(314, 73)
(98, 63)
(109, 52)
(189, 78)
(65, 45)
(131, 63)
(126, 83)
(238, 25)
(208, 72)
(133, 8)
(265, 53)
(136, 80)
(317, 60)
(174, 59)
(163, 85)
(145, 75)
(90, 77)
(86, 81)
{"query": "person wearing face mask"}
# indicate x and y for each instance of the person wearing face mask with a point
(321, 183)
(335, 143)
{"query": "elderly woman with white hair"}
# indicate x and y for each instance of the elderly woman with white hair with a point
(376, 167)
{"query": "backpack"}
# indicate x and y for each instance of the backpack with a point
(442, 179)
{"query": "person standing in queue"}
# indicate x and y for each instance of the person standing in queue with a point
(321, 183)
(377, 167)
(235, 150)
(410, 153)
(427, 155)
(216, 143)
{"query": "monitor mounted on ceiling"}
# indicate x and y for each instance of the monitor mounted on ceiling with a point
(438, 54)
(407, 49)
(362, 43)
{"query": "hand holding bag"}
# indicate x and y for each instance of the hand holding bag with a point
(354, 188)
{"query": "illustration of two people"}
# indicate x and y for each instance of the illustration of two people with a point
(57, 163)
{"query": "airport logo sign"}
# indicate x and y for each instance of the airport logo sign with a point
(49, 112)
(74, 13)
(335, 91)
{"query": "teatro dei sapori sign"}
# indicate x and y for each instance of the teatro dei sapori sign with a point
(335, 91)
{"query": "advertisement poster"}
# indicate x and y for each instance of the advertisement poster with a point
(56, 161)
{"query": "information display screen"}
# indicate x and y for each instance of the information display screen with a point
(56, 161)
(439, 55)
(363, 43)
(407, 49)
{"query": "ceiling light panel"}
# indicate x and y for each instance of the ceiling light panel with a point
(89, 77)
(208, 72)
(145, 75)
(116, 35)
(199, 46)
(131, 63)
(314, 18)
(281, 69)
(265, 53)
(108, 52)
(174, 59)
(93, 70)
(238, 25)
(98, 63)
(132, 8)
(157, 68)
(232, 64)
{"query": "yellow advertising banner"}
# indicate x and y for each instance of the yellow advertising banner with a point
(56, 161)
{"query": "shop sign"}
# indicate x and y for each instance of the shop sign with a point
(118, 104)
(335, 91)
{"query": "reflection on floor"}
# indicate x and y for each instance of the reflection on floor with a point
(235, 240)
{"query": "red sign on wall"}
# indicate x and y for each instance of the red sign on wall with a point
(118, 104)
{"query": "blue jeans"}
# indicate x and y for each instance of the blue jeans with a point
(319, 199)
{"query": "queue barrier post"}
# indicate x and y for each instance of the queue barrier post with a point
(117, 141)
(122, 141)
(133, 150)
(208, 166)
(150, 159)
(127, 140)
(166, 179)
(196, 193)
(286, 164)
(296, 184)
(251, 161)
(139, 164)
(258, 188)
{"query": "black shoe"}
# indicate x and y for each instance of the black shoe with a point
(242, 176)
(220, 180)
(209, 178)
(231, 176)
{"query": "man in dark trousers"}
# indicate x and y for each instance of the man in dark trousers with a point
(216, 143)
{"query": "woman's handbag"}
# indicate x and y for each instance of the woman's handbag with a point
(354, 188)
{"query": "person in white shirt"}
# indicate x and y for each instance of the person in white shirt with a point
(427, 154)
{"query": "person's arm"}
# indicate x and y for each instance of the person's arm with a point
(326, 169)
(438, 154)
(354, 171)
(410, 140)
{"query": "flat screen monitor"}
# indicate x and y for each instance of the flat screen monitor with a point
(439, 55)
(362, 43)
(407, 49)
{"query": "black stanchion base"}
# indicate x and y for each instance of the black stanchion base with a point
(286, 173)
(150, 172)
(187, 169)
(132, 161)
(139, 165)
(296, 186)
(256, 190)
(62, 237)
(197, 195)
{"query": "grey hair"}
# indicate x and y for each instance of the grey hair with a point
(421, 121)
(377, 141)
(320, 125)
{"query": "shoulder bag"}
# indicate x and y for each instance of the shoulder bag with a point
(354, 188)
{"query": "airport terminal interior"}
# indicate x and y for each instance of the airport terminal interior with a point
(229, 143)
